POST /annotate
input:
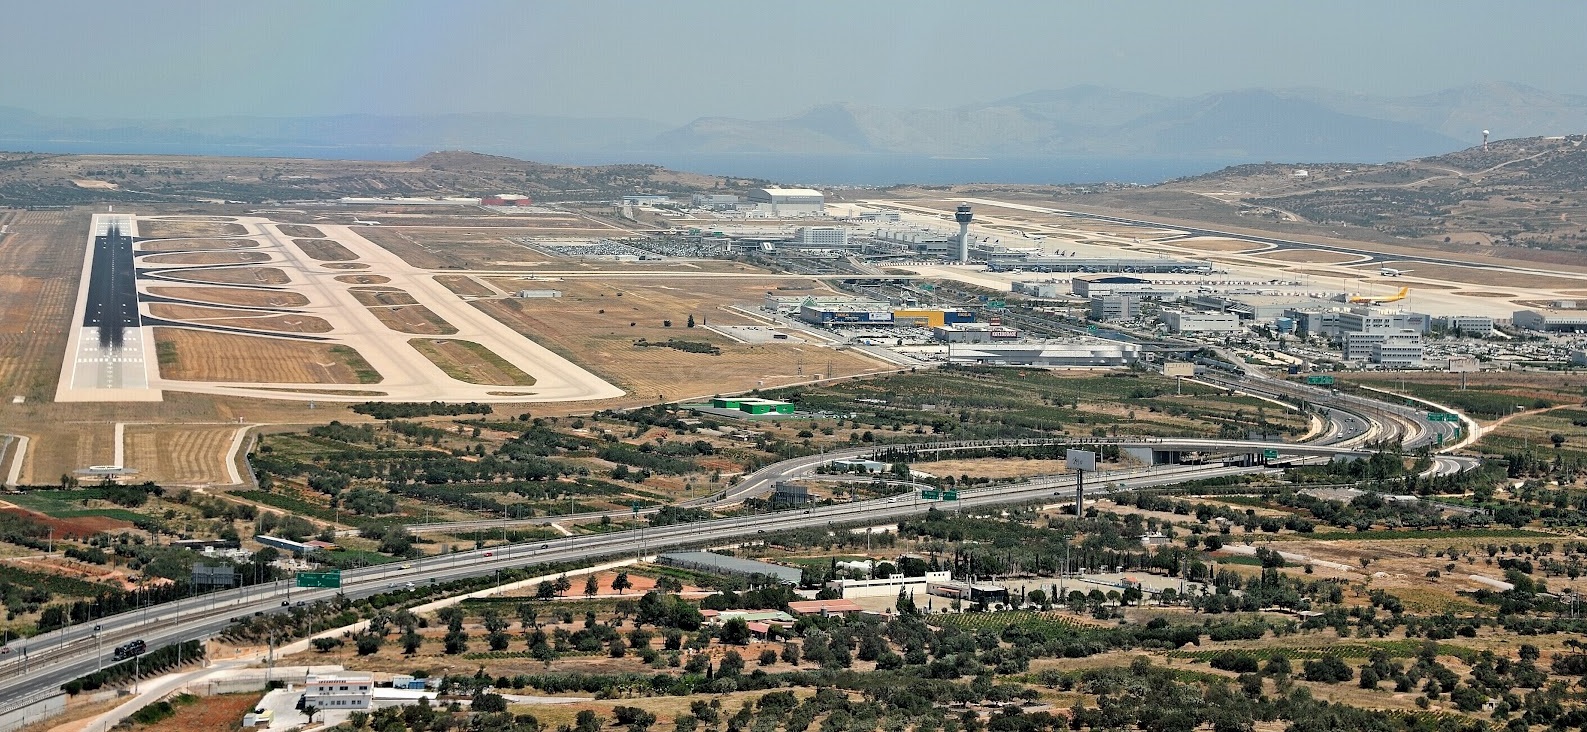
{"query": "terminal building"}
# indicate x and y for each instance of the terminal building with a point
(786, 202)
(1551, 319)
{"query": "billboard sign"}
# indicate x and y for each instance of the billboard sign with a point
(1081, 460)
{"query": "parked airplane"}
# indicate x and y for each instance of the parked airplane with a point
(1392, 272)
(1370, 300)
(360, 222)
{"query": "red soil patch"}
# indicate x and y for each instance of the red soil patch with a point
(80, 527)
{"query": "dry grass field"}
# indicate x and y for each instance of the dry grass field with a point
(363, 279)
(456, 248)
(596, 325)
(415, 319)
(293, 323)
(234, 276)
(1308, 256)
(324, 250)
(299, 230)
(40, 263)
(244, 257)
(186, 245)
(471, 362)
(179, 453)
(171, 311)
(234, 296)
(218, 713)
(464, 285)
(373, 297)
(190, 355)
(185, 229)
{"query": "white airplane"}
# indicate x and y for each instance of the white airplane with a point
(1392, 272)
(1028, 235)
(360, 222)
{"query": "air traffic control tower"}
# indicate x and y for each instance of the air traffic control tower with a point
(963, 216)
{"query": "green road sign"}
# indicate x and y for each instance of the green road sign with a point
(1442, 417)
(931, 495)
(635, 506)
(1439, 438)
(995, 305)
(1269, 454)
(950, 495)
(1320, 380)
(332, 578)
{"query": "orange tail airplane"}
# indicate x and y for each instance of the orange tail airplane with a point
(1370, 300)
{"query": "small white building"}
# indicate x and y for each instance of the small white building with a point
(340, 691)
(538, 293)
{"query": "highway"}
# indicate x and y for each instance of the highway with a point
(43, 662)
(51, 659)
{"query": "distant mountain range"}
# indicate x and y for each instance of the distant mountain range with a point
(1300, 125)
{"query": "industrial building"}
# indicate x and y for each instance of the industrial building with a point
(336, 693)
(789, 304)
(886, 587)
(1400, 349)
(1097, 285)
(848, 315)
(786, 202)
(538, 293)
(974, 333)
(753, 405)
(1181, 322)
(645, 200)
(1550, 319)
(1086, 352)
(730, 566)
(980, 592)
(1115, 307)
(1048, 290)
(931, 318)
(1333, 322)
(1470, 325)
(715, 201)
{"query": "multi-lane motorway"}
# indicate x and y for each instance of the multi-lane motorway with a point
(44, 662)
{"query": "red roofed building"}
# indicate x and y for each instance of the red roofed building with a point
(823, 607)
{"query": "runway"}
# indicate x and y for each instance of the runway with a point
(107, 352)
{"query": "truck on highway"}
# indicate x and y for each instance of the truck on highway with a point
(130, 649)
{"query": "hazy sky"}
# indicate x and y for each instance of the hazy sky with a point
(674, 60)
